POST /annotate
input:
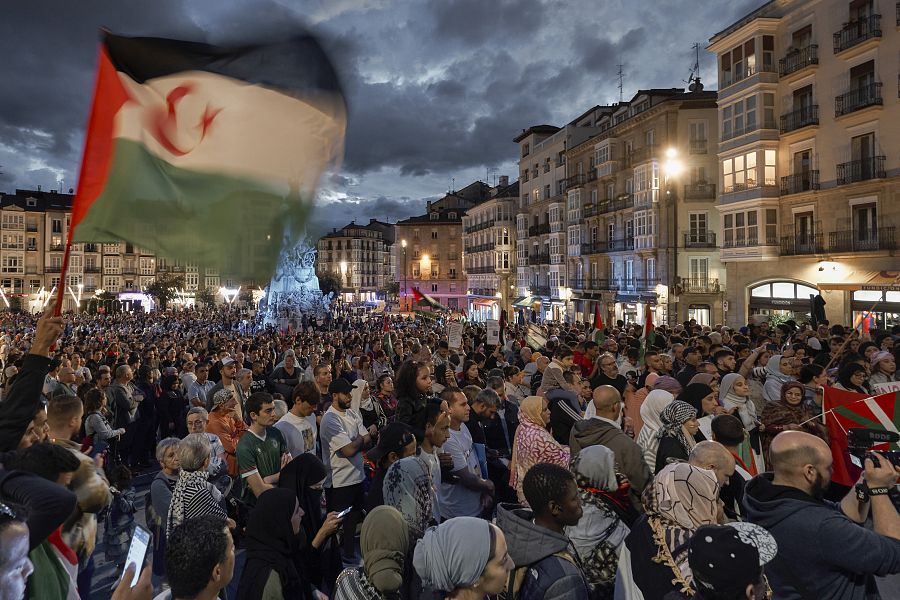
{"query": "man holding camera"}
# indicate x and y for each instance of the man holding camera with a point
(824, 551)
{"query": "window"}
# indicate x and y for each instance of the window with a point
(13, 221)
(526, 149)
(56, 225)
(504, 238)
(602, 155)
(434, 234)
(699, 225)
(434, 287)
(547, 191)
(865, 223)
(610, 231)
(629, 272)
(699, 269)
(12, 264)
(739, 172)
(651, 270)
(769, 172)
(629, 229)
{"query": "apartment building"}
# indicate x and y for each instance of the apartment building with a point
(489, 236)
(640, 210)
(356, 254)
(430, 252)
(809, 159)
(541, 275)
(34, 225)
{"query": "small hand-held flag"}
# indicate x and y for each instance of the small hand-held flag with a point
(426, 300)
(206, 154)
(598, 334)
(388, 345)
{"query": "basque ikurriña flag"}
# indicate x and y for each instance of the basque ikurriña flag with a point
(206, 154)
(849, 410)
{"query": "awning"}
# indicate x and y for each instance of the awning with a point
(482, 301)
(525, 301)
(866, 280)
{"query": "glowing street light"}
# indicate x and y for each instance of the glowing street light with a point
(673, 166)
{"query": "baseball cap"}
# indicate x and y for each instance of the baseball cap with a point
(725, 559)
(393, 438)
(340, 386)
(227, 361)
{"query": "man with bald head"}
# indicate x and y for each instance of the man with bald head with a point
(605, 428)
(824, 552)
(715, 457)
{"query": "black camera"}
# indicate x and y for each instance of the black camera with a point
(860, 441)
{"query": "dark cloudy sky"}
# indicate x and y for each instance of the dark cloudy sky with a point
(437, 89)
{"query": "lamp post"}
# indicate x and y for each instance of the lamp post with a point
(403, 295)
(673, 168)
(343, 265)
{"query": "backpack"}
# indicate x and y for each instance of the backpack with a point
(517, 575)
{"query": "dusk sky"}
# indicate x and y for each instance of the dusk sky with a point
(436, 89)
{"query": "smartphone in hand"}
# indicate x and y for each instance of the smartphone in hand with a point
(137, 551)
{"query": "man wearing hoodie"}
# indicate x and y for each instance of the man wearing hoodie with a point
(823, 551)
(605, 429)
(547, 566)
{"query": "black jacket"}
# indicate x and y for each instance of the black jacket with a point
(48, 504)
(22, 401)
(493, 430)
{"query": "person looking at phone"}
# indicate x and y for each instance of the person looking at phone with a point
(262, 451)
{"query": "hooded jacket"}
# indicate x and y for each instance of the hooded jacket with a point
(822, 554)
(549, 576)
(629, 457)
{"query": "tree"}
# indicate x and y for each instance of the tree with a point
(163, 288)
(246, 296)
(204, 296)
(329, 282)
(15, 304)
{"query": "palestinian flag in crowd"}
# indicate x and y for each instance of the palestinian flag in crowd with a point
(503, 323)
(426, 300)
(535, 337)
(206, 154)
(849, 410)
(597, 335)
(649, 335)
(388, 345)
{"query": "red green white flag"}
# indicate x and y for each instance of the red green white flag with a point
(423, 299)
(205, 154)
(597, 334)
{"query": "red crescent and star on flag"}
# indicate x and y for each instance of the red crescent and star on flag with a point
(163, 120)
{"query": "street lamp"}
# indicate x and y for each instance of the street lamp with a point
(403, 244)
(343, 265)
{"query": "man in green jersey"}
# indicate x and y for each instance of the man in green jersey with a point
(262, 451)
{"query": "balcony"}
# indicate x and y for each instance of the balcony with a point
(620, 245)
(52, 269)
(855, 33)
(858, 99)
(31, 228)
(699, 285)
(483, 292)
(177, 269)
(92, 269)
(700, 191)
(591, 210)
(700, 239)
(621, 202)
(129, 271)
(802, 117)
(91, 248)
(639, 155)
(593, 248)
(541, 258)
(540, 290)
(55, 247)
(868, 240)
(732, 77)
(539, 229)
(481, 270)
(800, 182)
(645, 285)
(594, 284)
(480, 248)
(798, 59)
(798, 245)
(860, 170)
(699, 147)
(749, 242)
(480, 226)
(750, 128)
(607, 168)
(574, 181)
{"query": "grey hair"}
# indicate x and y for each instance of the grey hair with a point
(488, 397)
(198, 410)
(193, 451)
(121, 370)
(243, 373)
(495, 383)
(281, 408)
(164, 445)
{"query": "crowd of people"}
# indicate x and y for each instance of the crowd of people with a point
(364, 458)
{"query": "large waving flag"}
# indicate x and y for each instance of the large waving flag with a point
(423, 299)
(206, 154)
(847, 410)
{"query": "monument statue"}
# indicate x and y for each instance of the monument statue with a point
(294, 290)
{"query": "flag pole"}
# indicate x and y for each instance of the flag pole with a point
(57, 306)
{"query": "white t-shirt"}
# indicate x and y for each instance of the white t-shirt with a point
(456, 500)
(299, 433)
(337, 430)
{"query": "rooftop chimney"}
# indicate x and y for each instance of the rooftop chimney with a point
(504, 180)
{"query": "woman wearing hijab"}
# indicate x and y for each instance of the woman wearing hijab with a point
(384, 542)
(304, 477)
(707, 379)
(270, 572)
(371, 411)
(734, 395)
(676, 438)
(779, 370)
(533, 444)
(601, 531)
(703, 398)
(654, 558)
(634, 402)
(669, 384)
(852, 378)
(464, 558)
(648, 439)
(790, 413)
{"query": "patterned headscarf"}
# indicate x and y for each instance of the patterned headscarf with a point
(408, 488)
(532, 408)
(673, 418)
(681, 499)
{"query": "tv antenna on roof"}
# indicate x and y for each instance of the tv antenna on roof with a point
(487, 175)
(693, 79)
(621, 77)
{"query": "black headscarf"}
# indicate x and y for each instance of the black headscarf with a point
(298, 476)
(271, 545)
(694, 394)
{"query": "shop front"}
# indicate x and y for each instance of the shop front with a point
(631, 308)
(783, 298)
(482, 308)
(874, 295)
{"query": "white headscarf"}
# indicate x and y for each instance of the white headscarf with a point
(746, 408)
(648, 439)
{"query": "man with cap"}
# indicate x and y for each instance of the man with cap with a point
(727, 562)
(395, 441)
(228, 382)
(884, 367)
(691, 360)
(226, 422)
(343, 440)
